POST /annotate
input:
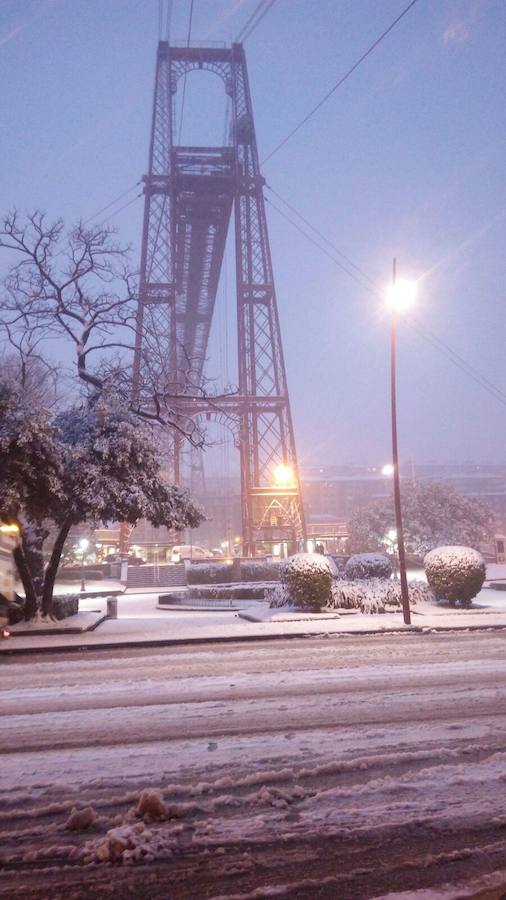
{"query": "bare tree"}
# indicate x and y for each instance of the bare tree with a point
(79, 287)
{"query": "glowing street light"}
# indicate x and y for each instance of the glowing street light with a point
(9, 529)
(399, 298)
(284, 476)
(401, 295)
(387, 470)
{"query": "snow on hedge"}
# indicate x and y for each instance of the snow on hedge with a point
(455, 573)
(307, 579)
(375, 594)
(368, 565)
(226, 572)
(371, 595)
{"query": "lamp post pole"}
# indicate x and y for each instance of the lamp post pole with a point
(395, 461)
(83, 546)
(83, 585)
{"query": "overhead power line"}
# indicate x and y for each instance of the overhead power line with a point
(319, 240)
(459, 361)
(169, 20)
(256, 17)
(246, 25)
(341, 81)
(110, 216)
(112, 203)
(121, 208)
(320, 234)
(320, 247)
(188, 38)
(164, 19)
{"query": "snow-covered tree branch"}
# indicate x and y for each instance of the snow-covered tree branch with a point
(92, 463)
(434, 514)
(78, 288)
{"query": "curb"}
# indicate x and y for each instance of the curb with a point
(55, 630)
(245, 639)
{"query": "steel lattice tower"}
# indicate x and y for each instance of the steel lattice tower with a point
(189, 196)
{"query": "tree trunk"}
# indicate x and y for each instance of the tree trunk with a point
(52, 569)
(33, 537)
(26, 579)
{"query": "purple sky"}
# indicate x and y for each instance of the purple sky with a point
(406, 159)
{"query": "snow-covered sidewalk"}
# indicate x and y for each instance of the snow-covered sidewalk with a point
(141, 622)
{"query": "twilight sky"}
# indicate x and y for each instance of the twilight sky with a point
(406, 159)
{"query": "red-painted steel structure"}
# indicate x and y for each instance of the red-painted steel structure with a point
(190, 193)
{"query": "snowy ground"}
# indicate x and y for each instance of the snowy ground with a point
(340, 767)
(139, 620)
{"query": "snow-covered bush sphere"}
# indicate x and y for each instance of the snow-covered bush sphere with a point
(368, 565)
(455, 573)
(307, 578)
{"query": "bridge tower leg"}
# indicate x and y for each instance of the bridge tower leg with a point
(189, 195)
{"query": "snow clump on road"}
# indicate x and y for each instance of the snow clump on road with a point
(151, 804)
(81, 819)
(128, 844)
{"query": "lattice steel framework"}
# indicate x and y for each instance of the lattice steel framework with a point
(189, 196)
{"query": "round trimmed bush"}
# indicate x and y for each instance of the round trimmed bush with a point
(368, 565)
(455, 573)
(307, 579)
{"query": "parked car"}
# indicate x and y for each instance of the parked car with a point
(187, 551)
(132, 560)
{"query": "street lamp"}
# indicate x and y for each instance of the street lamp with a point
(283, 476)
(400, 297)
(83, 546)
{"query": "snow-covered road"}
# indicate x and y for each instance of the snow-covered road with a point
(347, 767)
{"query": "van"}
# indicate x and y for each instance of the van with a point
(188, 551)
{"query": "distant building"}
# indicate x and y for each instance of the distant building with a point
(331, 495)
(337, 492)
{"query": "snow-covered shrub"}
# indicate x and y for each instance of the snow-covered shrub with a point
(65, 606)
(372, 595)
(278, 596)
(418, 591)
(307, 577)
(455, 573)
(226, 572)
(367, 595)
(260, 570)
(368, 565)
(209, 573)
(347, 594)
(228, 592)
(372, 605)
